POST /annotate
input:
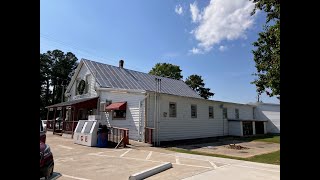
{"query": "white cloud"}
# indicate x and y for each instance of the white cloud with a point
(195, 51)
(221, 20)
(178, 9)
(195, 15)
(223, 48)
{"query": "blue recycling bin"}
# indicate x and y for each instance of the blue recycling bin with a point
(102, 138)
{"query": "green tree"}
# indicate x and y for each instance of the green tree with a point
(196, 83)
(167, 70)
(56, 70)
(267, 52)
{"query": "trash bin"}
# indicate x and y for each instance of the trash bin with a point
(102, 137)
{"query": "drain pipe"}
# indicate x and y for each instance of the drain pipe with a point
(140, 121)
(154, 118)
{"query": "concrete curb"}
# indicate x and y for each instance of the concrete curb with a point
(151, 171)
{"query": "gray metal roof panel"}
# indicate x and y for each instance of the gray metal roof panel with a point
(115, 77)
(68, 103)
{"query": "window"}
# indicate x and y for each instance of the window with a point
(172, 109)
(225, 113)
(211, 115)
(194, 111)
(236, 111)
(119, 114)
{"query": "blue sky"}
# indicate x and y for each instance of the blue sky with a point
(211, 38)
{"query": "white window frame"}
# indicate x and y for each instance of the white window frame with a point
(236, 113)
(196, 112)
(175, 110)
(211, 117)
(225, 113)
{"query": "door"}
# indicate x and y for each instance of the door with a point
(247, 128)
(259, 127)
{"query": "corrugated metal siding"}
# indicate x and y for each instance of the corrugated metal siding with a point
(235, 128)
(132, 115)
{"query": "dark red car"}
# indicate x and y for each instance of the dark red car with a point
(46, 157)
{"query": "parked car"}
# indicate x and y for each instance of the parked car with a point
(43, 135)
(59, 120)
(46, 157)
(46, 161)
(44, 124)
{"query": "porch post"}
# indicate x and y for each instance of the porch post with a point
(54, 120)
(47, 119)
(48, 114)
(74, 109)
(63, 116)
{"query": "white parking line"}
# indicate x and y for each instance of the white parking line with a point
(73, 177)
(177, 160)
(213, 164)
(125, 152)
(102, 155)
(149, 155)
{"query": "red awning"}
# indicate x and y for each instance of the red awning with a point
(117, 106)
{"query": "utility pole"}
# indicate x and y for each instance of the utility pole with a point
(62, 94)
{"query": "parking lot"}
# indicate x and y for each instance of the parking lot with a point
(73, 161)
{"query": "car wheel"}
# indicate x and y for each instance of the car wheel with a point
(49, 173)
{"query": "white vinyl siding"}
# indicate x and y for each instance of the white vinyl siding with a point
(83, 74)
(235, 128)
(133, 113)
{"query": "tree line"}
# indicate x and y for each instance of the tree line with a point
(56, 70)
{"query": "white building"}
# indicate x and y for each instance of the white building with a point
(145, 103)
(270, 113)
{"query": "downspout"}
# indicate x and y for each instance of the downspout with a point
(140, 123)
(146, 104)
(159, 111)
(154, 118)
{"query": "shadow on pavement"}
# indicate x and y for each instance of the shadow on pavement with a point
(54, 176)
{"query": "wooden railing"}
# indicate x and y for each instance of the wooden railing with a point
(69, 126)
(149, 135)
(119, 135)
